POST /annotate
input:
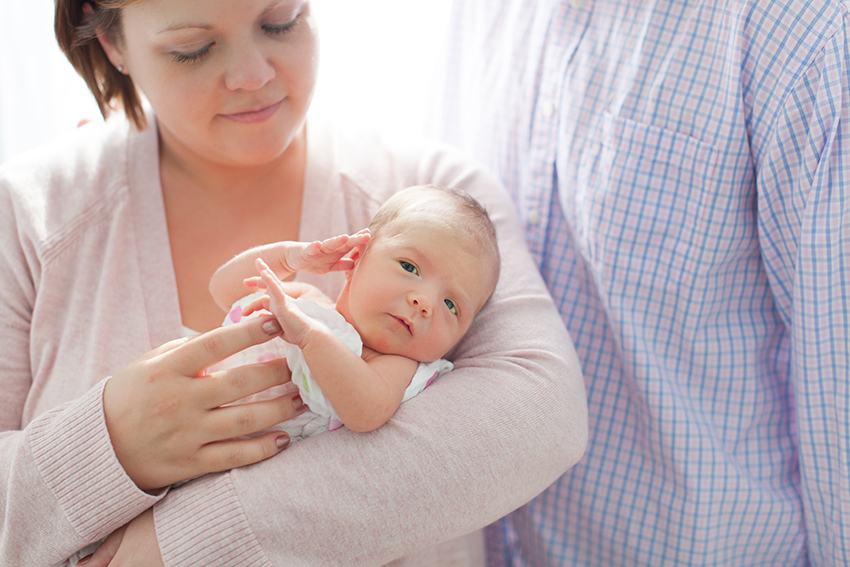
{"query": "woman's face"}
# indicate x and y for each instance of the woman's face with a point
(230, 80)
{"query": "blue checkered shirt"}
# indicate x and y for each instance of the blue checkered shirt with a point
(682, 170)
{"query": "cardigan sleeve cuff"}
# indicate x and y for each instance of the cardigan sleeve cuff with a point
(202, 523)
(74, 455)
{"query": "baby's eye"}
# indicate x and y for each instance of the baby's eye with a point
(408, 267)
(451, 305)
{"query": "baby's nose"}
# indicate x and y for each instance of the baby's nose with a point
(422, 304)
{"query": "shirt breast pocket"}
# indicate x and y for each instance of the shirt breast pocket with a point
(646, 199)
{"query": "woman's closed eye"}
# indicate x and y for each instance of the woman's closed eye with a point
(193, 56)
(282, 29)
(201, 54)
(408, 267)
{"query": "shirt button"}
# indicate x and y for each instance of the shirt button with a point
(548, 110)
(533, 217)
(577, 4)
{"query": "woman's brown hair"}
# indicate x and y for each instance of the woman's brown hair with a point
(77, 34)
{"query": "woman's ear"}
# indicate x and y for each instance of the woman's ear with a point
(111, 48)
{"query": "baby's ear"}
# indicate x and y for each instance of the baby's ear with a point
(356, 254)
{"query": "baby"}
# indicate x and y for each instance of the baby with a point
(414, 282)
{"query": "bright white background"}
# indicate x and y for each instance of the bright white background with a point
(377, 60)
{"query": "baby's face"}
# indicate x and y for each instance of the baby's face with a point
(415, 292)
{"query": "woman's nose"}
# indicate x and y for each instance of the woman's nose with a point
(249, 70)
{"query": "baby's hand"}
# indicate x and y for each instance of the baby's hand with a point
(258, 304)
(295, 324)
(254, 281)
(294, 290)
(324, 256)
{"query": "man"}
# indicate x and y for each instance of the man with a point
(682, 171)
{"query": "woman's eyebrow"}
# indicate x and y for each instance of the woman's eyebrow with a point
(297, 4)
(184, 26)
(188, 25)
(270, 7)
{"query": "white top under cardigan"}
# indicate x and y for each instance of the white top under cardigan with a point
(87, 285)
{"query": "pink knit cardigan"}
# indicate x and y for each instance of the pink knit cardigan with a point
(87, 285)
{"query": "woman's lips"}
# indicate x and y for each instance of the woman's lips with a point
(254, 116)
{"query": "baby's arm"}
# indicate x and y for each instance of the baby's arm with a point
(364, 393)
(227, 283)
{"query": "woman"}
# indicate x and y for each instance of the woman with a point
(107, 243)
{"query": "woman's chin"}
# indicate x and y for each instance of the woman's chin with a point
(258, 149)
(251, 152)
(259, 157)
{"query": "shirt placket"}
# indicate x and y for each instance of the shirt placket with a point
(567, 22)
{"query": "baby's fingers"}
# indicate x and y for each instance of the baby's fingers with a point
(258, 304)
(344, 244)
(359, 238)
(333, 243)
(254, 281)
(278, 300)
(311, 251)
(273, 283)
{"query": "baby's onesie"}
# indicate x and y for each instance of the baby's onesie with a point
(321, 416)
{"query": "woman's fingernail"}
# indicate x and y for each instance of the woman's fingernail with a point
(85, 559)
(272, 327)
(298, 403)
(282, 442)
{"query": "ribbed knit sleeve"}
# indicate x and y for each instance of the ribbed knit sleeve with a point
(74, 455)
(63, 485)
(205, 526)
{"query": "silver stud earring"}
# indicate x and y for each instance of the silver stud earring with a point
(121, 68)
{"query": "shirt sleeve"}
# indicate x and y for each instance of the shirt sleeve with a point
(478, 443)
(804, 224)
(61, 486)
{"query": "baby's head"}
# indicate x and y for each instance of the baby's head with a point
(430, 266)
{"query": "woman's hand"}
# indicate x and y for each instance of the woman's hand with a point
(166, 417)
(133, 544)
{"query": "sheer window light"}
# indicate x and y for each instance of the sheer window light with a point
(377, 59)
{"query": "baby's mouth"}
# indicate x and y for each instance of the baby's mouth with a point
(403, 323)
